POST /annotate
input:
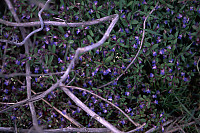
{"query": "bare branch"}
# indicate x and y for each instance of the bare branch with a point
(28, 78)
(72, 63)
(55, 23)
(74, 87)
(69, 129)
(89, 111)
(33, 32)
(72, 120)
(32, 75)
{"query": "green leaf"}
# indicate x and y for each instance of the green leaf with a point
(124, 22)
(170, 64)
(90, 38)
(54, 49)
(87, 73)
(170, 6)
(61, 29)
(134, 22)
(147, 44)
(120, 4)
(109, 11)
(106, 43)
(152, 32)
(71, 41)
(46, 59)
(50, 59)
(129, 4)
(154, 46)
(99, 7)
(188, 47)
(126, 60)
(97, 63)
(109, 58)
(97, 14)
(91, 33)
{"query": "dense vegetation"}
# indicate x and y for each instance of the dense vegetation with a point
(161, 85)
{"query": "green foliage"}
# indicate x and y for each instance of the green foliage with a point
(165, 66)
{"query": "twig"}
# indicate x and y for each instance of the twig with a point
(72, 63)
(72, 120)
(78, 88)
(55, 23)
(69, 129)
(89, 111)
(198, 65)
(28, 78)
(136, 53)
(154, 128)
(33, 32)
(32, 75)
(137, 128)
(177, 128)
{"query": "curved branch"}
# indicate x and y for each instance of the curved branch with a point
(78, 88)
(33, 32)
(89, 111)
(72, 63)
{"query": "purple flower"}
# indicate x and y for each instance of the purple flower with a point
(91, 11)
(97, 51)
(84, 85)
(90, 82)
(162, 72)
(134, 46)
(17, 62)
(95, 3)
(141, 106)
(182, 74)
(198, 10)
(46, 70)
(78, 31)
(6, 91)
(158, 92)
(114, 37)
(148, 91)
(109, 98)
(123, 16)
(127, 30)
(122, 122)
(127, 93)
(47, 28)
(154, 53)
(180, 36)
(185, 79)
(154, 66)
(151, 75)
(156, 101)
(66, 35)
(154, 96)
(114, 83)
(191, 8)
(123, 67)
(168, 9)
(6, 82)
(171, 61)
(169, 47)
(59, 60)
(162, 51)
